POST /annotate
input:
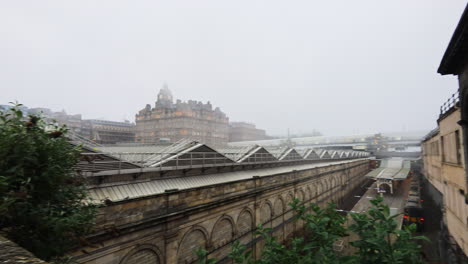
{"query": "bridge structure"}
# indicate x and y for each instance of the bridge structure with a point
(386, 142)
(157, 204)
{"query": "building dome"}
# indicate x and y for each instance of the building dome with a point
(164, 97)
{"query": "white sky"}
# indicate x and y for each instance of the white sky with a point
(341, 67)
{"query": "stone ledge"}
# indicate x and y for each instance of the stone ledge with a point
(11, 253)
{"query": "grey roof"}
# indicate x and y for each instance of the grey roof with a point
(455, 55)
(291, 154)
(183, 151)
(253, 153)
(276, 151)
(324, 154)
(284, 153)
(310, 154)
(133, 190)
(94, 161)
(391, 169)
(335, 154)
(238, 152)
(342, 154)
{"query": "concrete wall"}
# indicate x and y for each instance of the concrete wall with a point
(167, 228)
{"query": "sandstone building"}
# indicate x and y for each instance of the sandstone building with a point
(242, 131)
(445, 150)
(98, 131)
(110, 132)
(169, 121)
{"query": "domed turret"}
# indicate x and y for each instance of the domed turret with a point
(164, 97)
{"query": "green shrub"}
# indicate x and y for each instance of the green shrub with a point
(41, 198)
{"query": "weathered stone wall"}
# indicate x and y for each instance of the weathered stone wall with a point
(445, 170)
(11, 253)
(166, 228)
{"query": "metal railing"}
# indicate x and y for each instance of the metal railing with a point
(107, 161)
(450, 103)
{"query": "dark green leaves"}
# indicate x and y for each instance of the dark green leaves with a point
(39, 207)
(379, 239)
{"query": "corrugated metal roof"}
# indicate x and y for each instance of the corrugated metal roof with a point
(324, 154)
(237, 152)
(391, 169)
(291, 154)
(284, 153)
(276, 151)
(156, 155)
(93, 161)
(334, 154)
(374, 172)
(141, 189)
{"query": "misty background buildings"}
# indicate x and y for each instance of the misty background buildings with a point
(166, 122)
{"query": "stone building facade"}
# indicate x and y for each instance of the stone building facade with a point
(169, 121)
(445, 150)
(168, 227)
(109, 132)
(242, 131)
(444, 168)
(98, 131)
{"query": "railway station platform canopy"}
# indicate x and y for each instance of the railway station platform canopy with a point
(284, 153)
(252, 153)
(188, 154)
(182, 153)
(309, 154)
(390, 171)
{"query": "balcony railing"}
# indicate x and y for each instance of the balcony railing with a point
(449, 104)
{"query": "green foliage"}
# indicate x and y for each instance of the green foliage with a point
(202, 256)
(381, 241)
(240, 255)
(324, 227)
(41, 197)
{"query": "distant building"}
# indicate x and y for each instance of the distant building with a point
(73, 122)
(169, 121)
(109, 132)
(99, 131)
(242, 131)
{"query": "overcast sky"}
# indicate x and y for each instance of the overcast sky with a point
(341, 67)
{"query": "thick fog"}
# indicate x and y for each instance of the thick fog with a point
(341, 67)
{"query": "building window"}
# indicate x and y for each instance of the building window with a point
(451, 148)
(458, 146)
(443, 148)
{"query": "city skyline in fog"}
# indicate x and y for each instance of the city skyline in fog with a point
(340, 68)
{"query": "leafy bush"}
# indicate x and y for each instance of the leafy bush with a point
(41, 197)
(380, 240)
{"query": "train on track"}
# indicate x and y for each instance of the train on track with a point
(413, 212)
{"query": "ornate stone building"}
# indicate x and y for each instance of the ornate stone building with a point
(242, 131)
(98, 131)
(109, 132)
(169, 121)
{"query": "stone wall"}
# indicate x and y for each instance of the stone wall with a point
(445, 170)
(11, 253)
(166, 228)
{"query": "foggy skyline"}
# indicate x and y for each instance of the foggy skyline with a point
(338, 67)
